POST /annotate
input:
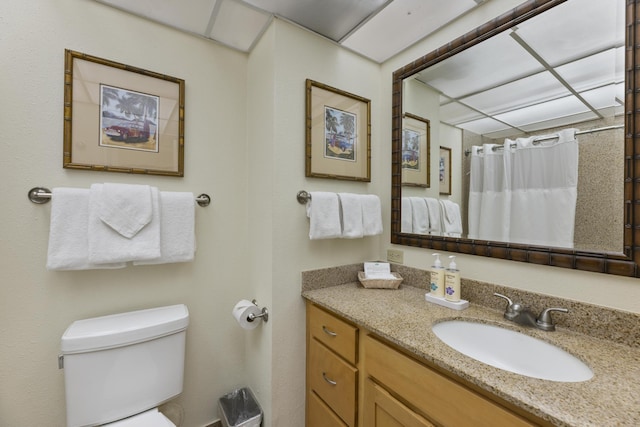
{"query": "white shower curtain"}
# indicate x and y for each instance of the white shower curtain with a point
(525, 193)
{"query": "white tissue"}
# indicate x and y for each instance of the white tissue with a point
(241, 313)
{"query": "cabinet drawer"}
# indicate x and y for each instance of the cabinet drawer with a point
(443, 400)
(319, 414)
(334, 380)
(336, 334)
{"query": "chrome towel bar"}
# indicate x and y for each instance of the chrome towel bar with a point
(42, 195)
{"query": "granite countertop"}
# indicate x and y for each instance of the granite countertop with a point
(402, 316)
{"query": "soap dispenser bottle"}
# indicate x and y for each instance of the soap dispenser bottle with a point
(452, 281)
(437, 278)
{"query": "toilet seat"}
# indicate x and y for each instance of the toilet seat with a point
(150, 418)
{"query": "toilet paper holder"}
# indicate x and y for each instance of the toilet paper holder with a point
(264, 314)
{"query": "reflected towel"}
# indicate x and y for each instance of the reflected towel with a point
(68, 242)
(371, 215)
(406, 224)
(107, 245)
(433, 206)
(351, 215)
(451, 218)
(420, 215)
(323, 211)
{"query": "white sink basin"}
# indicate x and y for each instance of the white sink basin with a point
(512, 351)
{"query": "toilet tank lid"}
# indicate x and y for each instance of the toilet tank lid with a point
(117, 330)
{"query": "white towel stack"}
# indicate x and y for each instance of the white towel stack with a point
(112, 224)
(343, 215)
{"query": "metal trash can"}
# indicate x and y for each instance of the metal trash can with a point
(240, 409)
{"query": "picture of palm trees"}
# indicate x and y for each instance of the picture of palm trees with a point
(128, 119)
(340, 134)
(410, 149)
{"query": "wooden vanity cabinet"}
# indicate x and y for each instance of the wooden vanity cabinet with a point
(355, 379)
(332, 373)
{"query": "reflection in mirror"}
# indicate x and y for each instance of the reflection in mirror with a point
(534, 120)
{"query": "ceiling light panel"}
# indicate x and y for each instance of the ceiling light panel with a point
(575, 29)
(595, 70)
(484, 126)
(566, 106)
(494, 62)
(331, 18)
(193, 17)
(402, 23)
(238, 25)
(520, 93)
(454, 113)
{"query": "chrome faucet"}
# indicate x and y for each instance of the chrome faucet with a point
(515, 312)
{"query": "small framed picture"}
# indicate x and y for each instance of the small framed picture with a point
(444, 170)
(416, 151)
(338, 134)
(119, 118)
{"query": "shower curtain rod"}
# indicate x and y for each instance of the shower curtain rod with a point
(580, 132)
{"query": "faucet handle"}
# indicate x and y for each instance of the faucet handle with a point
(545, 322)
(512, 310)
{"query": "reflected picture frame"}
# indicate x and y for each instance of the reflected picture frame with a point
(416, 151)
(338, 134)
(444, 171)
(119, 118)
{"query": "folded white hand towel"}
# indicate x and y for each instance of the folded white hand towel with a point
(433, 206)
(68, 241)
(125, 208)
(371, 215)
(107, 245)
(406, 217)
(351, 215)
(323, 211)
(451, 218)
(177, 228)
(420, 215)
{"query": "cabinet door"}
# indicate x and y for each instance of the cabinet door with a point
(319, 414)
(383, 410)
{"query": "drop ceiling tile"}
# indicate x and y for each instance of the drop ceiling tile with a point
(453, 113)
(564, 121)
(483, 126)
(332, 18)
(238, 25)
(575, 29)
(520, 93)
(193, 18)
(402, 23)
(596, 70)
(494, 62)
(545, 111)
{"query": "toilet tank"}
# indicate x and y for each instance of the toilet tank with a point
(119, 365)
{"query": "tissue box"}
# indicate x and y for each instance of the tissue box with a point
(380, 283)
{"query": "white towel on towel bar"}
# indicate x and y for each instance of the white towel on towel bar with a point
(406, 217)
(433, 206)
(451, 218)
(108, 246)
(68, 243)
(323, 211)
(371, 215)
(351, 214)
(126, 208)
(419, 215)
(177, 228)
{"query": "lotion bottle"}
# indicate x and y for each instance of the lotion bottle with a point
(452, 281)
(437, 278)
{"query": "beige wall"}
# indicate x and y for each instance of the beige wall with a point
(245, 147)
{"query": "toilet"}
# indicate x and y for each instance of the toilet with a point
(119, 368)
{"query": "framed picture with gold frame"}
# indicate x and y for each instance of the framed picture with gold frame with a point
(416, 151)
(338, 134)
(118, 118)
(444, 170)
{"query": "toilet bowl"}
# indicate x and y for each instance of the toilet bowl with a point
(119, 368)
